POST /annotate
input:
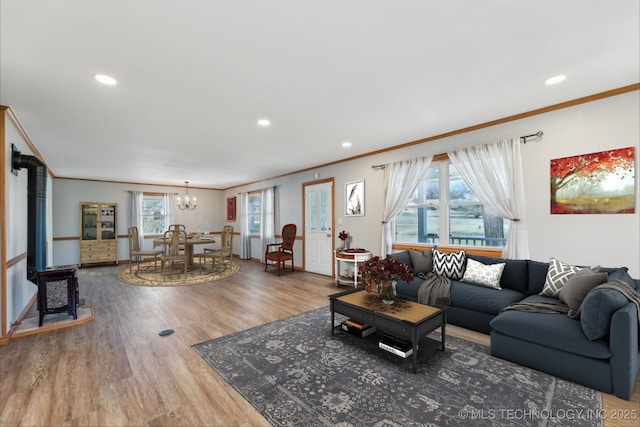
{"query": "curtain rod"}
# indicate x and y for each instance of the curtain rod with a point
(157, 192)
(522, 139)
(537, 135)
(275, 187)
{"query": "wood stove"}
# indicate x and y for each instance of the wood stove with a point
(58, 291)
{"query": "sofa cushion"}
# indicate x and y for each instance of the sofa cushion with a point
(409, 291)
(449, 264)
(515, 274)
(537, 276)
(577, 288)
(402, 256)
(483, 274)
(551, 330)
(596, 311)
(482, 299)
(557, 275)
(422, 262)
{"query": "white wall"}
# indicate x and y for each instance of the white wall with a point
(606, 240)
(209, 214)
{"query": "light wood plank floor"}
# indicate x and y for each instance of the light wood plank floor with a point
(117, 371)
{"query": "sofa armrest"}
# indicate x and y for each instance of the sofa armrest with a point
(625, 359)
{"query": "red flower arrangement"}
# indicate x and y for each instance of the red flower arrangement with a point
(343, 235)
(378, 273)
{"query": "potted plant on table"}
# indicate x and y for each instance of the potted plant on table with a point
(382, 274)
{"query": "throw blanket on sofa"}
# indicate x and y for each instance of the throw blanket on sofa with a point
(547, 307)
(631, 294)
(538, 307)
(435, 290)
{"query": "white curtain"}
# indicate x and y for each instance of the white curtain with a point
(136, 215)
(267, 220)
(400, 181)
(245, 238)
(494, 173)
(169, 201)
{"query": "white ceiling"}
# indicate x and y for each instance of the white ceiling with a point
(195, 76)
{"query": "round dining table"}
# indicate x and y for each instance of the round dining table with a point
(189, 244)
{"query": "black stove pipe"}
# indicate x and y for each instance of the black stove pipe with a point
(36, 211)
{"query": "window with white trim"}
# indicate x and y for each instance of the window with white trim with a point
(254, 211)
(153, 213)
(443, 210)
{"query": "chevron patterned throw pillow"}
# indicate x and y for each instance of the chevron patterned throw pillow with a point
(558, 274)
(449, 264)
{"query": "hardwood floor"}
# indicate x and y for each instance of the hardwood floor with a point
(117, 371)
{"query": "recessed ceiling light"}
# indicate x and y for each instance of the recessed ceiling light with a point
(346, 144)
(106, 80)
(555, 80)
(264, 122)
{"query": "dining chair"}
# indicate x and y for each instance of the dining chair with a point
(225, 251)
(173, 254)
(178, 227)
(278, 253)
(137, 253)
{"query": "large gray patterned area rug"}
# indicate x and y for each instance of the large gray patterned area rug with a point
(297, 374)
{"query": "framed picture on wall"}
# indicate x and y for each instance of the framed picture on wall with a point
(594, 183)
(231, 208)
(354, 198)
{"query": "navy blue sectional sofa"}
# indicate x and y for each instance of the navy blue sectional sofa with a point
(600, 349)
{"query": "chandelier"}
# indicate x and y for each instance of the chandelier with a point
(187, 204)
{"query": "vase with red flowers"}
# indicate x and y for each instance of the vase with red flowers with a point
(382, 274)
(343, 236)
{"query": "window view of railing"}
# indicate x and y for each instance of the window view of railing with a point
(443, 205)
(153, 213)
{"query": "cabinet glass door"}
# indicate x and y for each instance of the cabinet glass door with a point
(107, 222)
(89, 222)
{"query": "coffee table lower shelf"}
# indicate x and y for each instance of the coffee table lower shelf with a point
(426, 346)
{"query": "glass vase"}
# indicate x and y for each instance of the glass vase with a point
(389, 294)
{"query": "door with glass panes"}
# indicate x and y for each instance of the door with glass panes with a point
(318, 236)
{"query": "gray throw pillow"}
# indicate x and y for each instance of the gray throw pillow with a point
(577, 287)
(422, 261)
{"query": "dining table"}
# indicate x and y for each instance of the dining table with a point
(189, 244)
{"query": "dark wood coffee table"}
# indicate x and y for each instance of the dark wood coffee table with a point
(405, 319)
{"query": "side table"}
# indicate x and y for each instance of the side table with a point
(353, 257)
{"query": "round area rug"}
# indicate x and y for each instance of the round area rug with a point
(148, 275)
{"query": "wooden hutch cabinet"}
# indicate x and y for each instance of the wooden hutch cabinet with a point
(98, 237)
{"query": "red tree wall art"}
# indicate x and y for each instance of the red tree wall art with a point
(596, 183)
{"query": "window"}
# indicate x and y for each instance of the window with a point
(153, 213)
(443, 205)
(254, 211)
(318, 211)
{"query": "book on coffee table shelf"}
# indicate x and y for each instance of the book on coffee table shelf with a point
(358, 329)
(399, 346)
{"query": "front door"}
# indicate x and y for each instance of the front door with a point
(318, 233)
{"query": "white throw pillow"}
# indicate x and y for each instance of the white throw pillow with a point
(483, 274)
